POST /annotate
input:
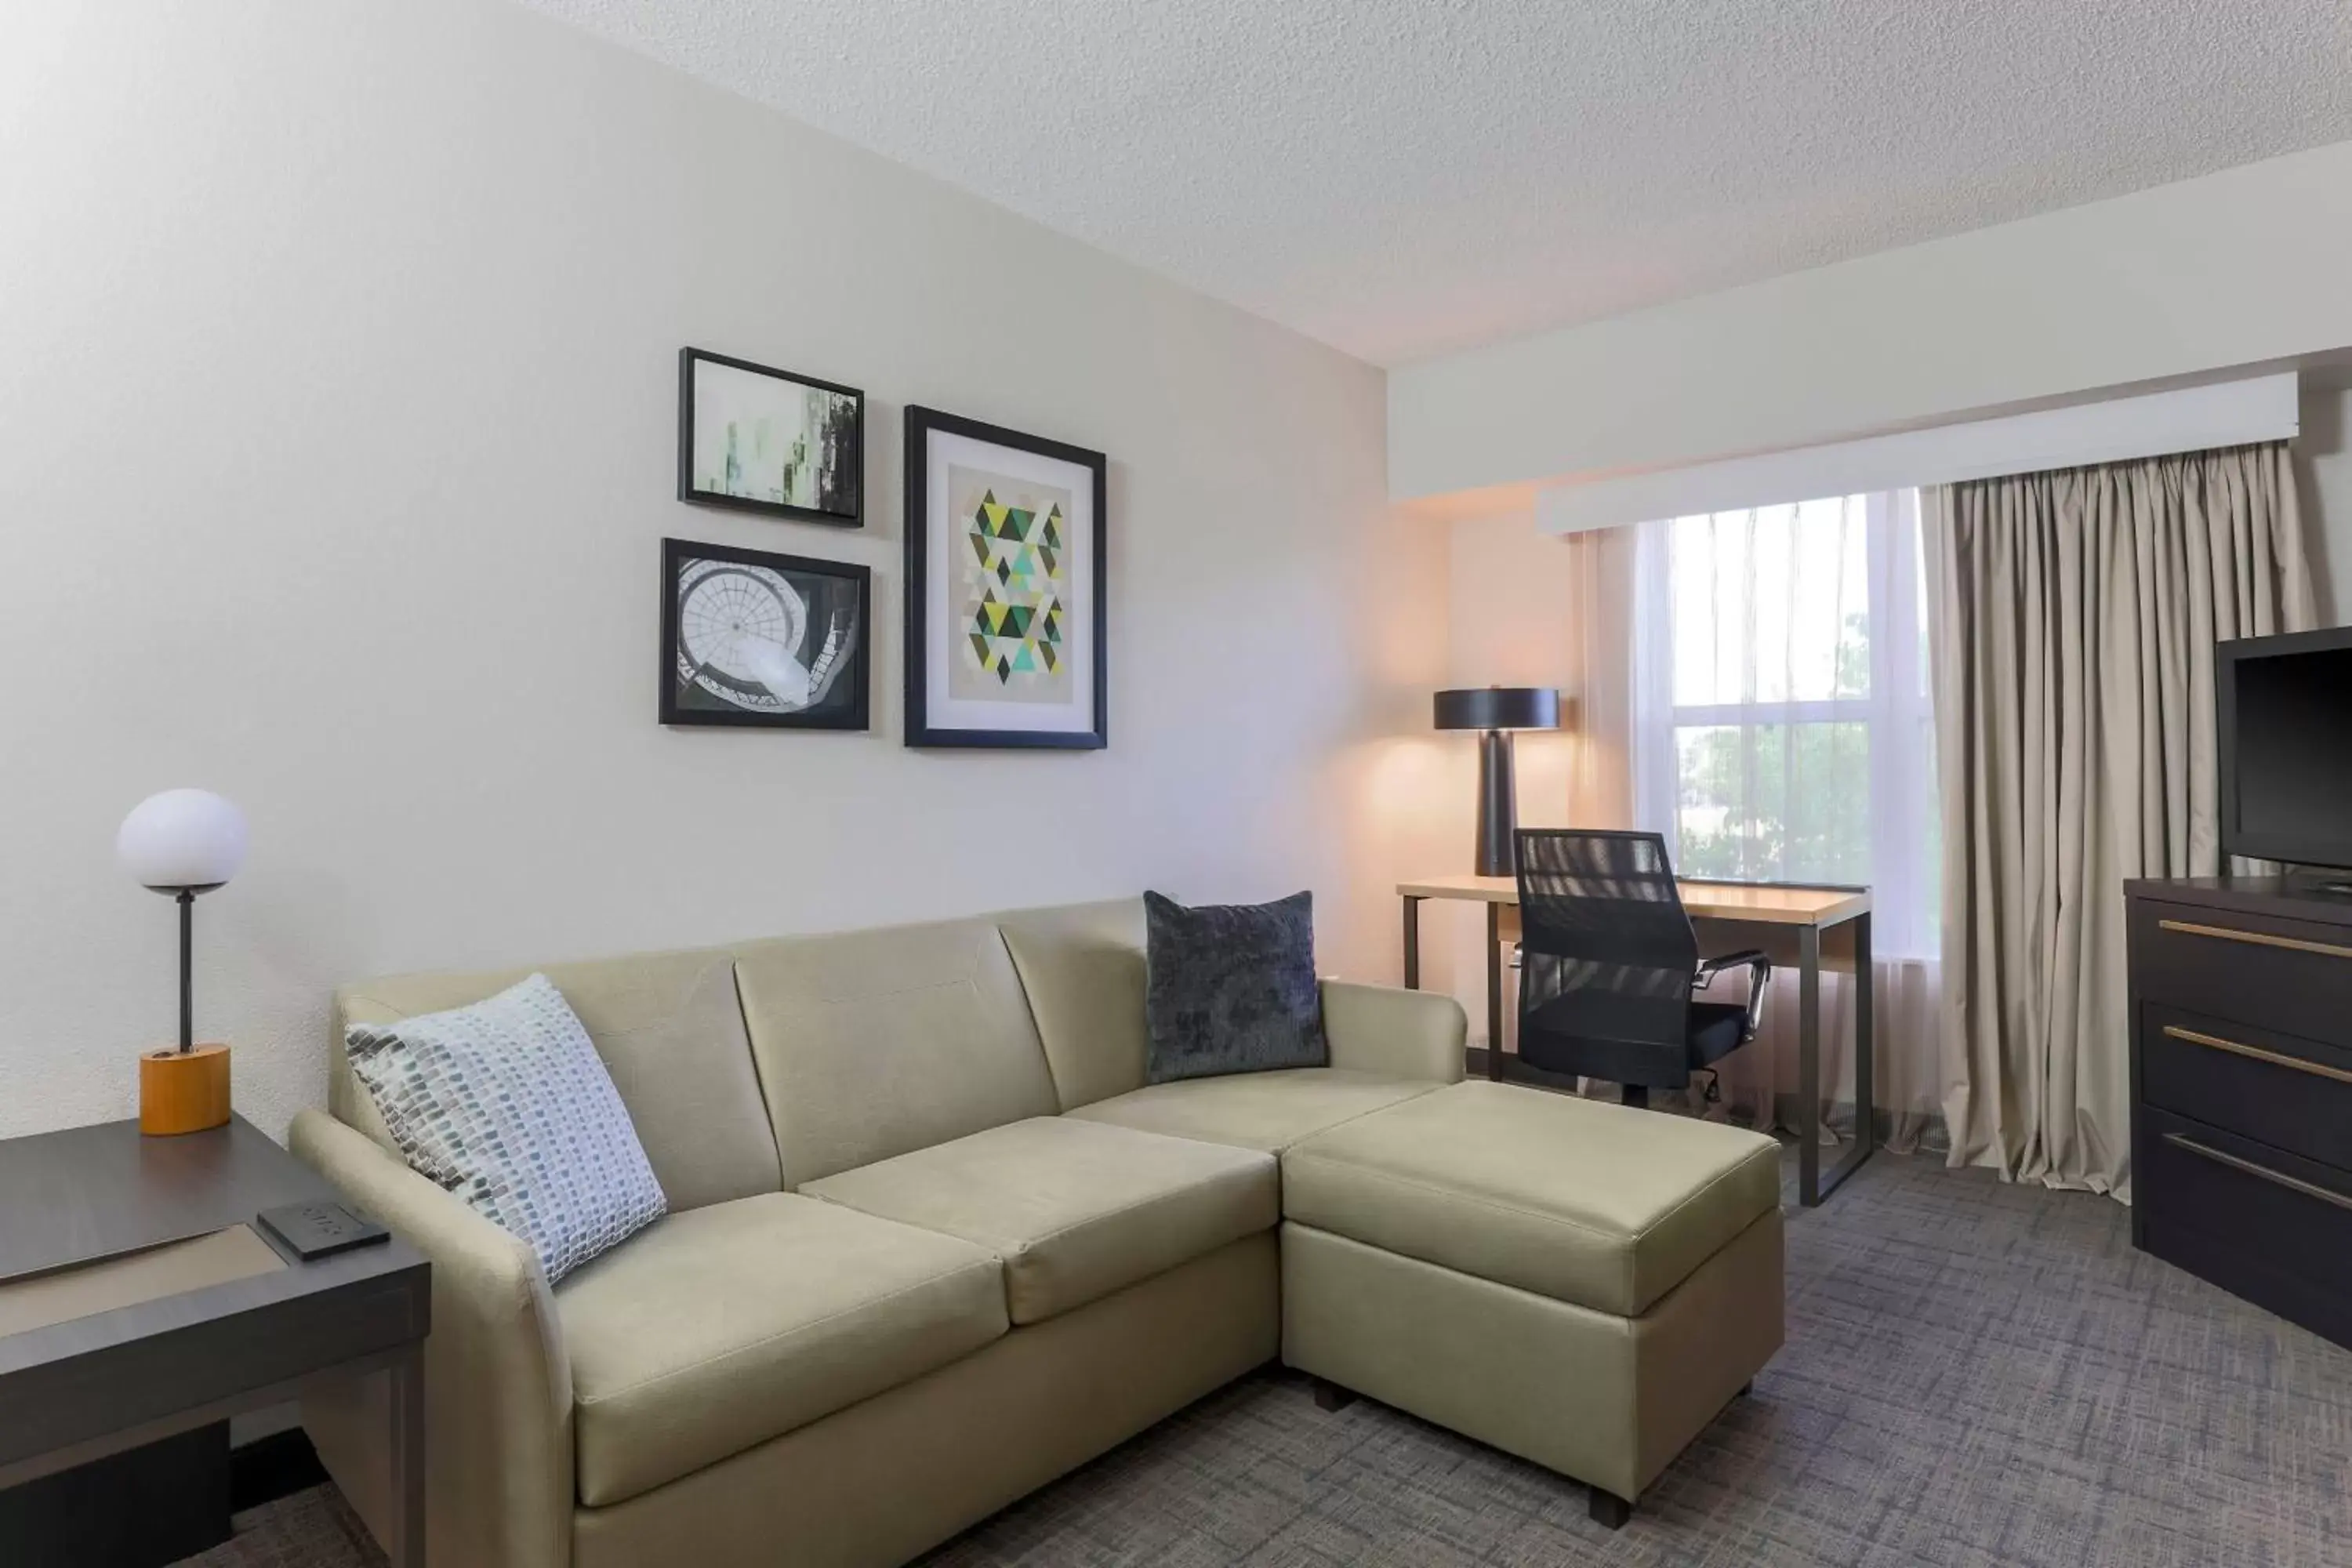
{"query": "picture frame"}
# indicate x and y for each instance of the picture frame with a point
(755, 639)
(757, 438)
(1006, 587)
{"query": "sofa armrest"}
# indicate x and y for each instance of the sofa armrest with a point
(497, 1383)
(1397, 1034)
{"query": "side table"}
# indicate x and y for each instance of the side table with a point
(140, 1303)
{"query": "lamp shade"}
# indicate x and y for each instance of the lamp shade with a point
(181, 838)
(1499, 708)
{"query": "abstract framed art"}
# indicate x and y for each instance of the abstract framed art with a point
(763, 640)
(1005, 588)
(766, 440)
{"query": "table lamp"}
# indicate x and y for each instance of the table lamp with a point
(182, 842)
(1495, 711)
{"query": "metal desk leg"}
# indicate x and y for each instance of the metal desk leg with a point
(1411, 942)
(1865, 1042)
(1812, 1186)
(406, 1549)
(1809, 1066)
(1495, 991)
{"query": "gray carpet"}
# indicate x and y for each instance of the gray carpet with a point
(1976, 1374)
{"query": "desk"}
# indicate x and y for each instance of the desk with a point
(143, 1305)
(1794, 924)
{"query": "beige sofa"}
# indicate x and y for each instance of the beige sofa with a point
(933, 1242)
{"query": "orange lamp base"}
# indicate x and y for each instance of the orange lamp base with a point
(182, 1092)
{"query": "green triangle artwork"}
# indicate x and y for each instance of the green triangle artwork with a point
(1014, 588)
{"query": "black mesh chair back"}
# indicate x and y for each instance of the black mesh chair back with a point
(1607, 957)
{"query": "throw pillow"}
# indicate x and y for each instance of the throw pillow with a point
(507, 1104)
(1231, 988)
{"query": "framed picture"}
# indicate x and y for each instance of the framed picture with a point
(1005, 637)
(775, 641)
(768, 440)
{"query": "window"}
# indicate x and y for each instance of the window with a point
(1784, 732)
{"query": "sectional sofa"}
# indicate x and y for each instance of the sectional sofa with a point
(933, 1241)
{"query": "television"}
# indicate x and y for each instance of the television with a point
(2284, 722)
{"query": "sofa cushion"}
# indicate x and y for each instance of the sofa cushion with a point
(722, 1326)
(875, 1043)
(1599, 1205)
(1268, 1111)
(1082, 967)
(669, 1031)
(1077, 1209)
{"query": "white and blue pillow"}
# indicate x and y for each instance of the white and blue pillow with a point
(507, 1104)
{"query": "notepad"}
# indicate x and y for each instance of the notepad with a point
(129, 1278)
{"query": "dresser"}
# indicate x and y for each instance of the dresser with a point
(2241, 1089)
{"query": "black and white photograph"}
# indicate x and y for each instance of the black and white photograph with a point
(754, 638)
(767, 441)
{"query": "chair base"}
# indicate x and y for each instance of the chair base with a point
(1609, 1511)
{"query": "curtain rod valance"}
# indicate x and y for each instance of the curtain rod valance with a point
(2191, 419)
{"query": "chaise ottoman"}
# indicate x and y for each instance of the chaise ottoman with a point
(1583, 1285)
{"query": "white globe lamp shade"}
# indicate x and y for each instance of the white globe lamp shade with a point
(181, 838)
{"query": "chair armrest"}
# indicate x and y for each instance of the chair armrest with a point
(497, 1383)
(1396, 1033)
(1759, 975)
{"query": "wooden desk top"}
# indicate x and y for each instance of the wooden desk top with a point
(1701, 900)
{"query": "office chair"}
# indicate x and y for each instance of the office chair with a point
(1608, 963)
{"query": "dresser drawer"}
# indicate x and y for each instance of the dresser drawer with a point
(2259, 1221)
(2290, 1093)
(2291, 977)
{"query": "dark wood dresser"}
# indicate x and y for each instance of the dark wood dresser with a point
(2241, 1089)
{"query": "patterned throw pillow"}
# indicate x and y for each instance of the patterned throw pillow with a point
(507, 1104)
(1231, 988)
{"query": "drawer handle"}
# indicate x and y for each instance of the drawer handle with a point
(2276, 1178)
(2259, 938)
(2235, 1048)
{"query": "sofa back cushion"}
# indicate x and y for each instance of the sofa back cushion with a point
(1082, 965)
(670, 1033)
(872, 1044)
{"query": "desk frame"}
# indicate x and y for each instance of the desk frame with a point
(1813, 1183)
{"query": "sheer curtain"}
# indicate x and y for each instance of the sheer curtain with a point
(1782, 729)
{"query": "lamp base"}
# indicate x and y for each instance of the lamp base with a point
(1498, 807)
(182, 1092)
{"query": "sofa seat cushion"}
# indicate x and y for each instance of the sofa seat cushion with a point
(1598, 1205)
(718, 1329)
(1077, 1209)
(1268, 1111)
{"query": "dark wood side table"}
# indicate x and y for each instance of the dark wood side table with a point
(138, 1302)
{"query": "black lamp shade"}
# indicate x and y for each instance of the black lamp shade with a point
(1499, 708)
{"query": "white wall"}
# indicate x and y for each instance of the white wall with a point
(339, 400)
(1512, 621)
(2240, 267)
(2323, 485)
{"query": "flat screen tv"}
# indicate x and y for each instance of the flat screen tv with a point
(2285, 740)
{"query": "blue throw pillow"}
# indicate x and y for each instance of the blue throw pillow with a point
(1231, 988)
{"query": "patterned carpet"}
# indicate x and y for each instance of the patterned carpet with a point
(1975, 1375)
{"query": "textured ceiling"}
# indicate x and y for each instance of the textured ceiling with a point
(1404, 177)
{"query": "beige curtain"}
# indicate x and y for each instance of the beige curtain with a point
(2072, 621)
